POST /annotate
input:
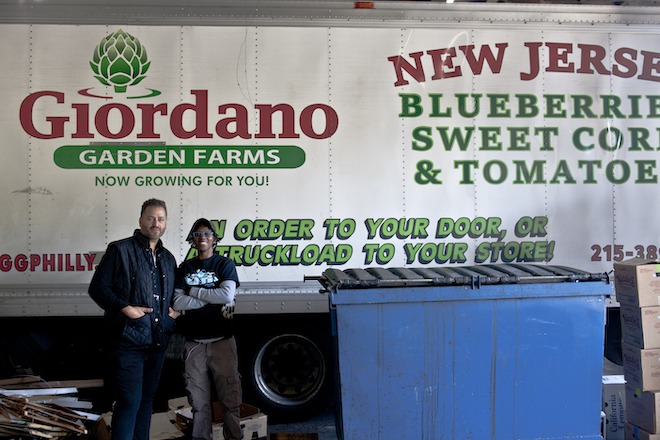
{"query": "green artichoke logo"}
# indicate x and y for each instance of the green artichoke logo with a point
(120, 60)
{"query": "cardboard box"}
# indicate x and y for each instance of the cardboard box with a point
(177, 403)
(614, 404)
(101, 429)
(254, 427)
(643, 409)
(254, 423)
(641, 367)
(635, 433)
(640, 326)
(637, 282)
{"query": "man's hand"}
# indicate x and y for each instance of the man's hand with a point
(136, 312)
(173, 313)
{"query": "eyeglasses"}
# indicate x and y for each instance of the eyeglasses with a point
(198, 234)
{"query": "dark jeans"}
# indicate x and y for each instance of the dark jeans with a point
(135, 374)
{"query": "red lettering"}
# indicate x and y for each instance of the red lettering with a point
(622, 60)
(117, 121)
(35, 261)
(443, 63)
(126, 121)
(331, 121)
(82, 122)
(400, 64)
(442, 60)
(148, 119)
(485, 54)
(240, 120)
(534, 62)
(48, 262)
(593, 60)
(558, 57)
(266, 113)
(200, 109)
(592, 56)
(650, 65)
(79, 265)
(5, 263)
(21, 262)
(89, 258)
(56, 122)
(68, 267)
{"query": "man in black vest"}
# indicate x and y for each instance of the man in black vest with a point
(134, 285)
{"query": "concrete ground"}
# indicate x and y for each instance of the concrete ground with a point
(323, 425)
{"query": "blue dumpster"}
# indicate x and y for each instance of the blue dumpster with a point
(505, 351)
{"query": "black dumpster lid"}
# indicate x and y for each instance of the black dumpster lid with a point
(511, 273)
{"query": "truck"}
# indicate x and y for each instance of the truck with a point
(314, 135)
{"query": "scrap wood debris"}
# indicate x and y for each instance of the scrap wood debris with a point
(35, 382)
(20, 417)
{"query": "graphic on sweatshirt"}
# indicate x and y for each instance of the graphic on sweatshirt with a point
(201, 278)
(206, 279)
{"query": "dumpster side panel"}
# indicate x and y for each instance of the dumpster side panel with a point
(472, 350)
(521, 368)
(401, 402)
(359, 327)
(559, 368)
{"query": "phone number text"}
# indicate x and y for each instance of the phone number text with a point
(617, 252)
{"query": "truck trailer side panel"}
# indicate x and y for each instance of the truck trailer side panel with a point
(318, 135)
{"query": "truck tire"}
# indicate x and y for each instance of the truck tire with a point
(289, 376)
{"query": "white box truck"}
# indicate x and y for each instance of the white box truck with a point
(315, 135)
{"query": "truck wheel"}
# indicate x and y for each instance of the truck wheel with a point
(290, 376)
